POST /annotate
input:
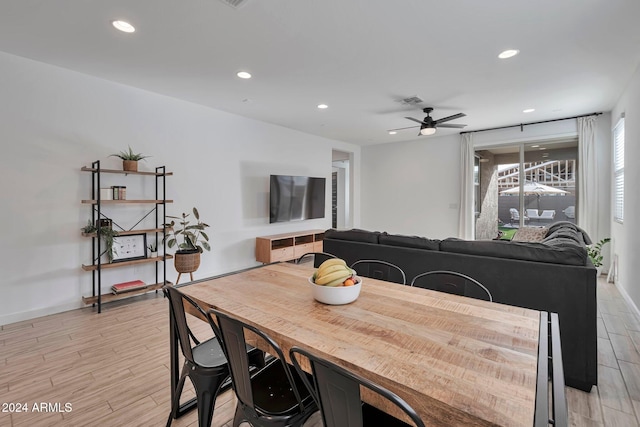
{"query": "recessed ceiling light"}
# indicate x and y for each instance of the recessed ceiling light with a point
(508, 53)
(123, 26)
(392, 132)
(543, 148)
(243, 75)
(322, 106)
(535, 146)
(529, 110)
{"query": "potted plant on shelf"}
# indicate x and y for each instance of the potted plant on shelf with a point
(153, 250)
(190, 239)
(130, 159)
(595, 253)
(106, 233)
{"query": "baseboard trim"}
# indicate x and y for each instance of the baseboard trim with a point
(32, 314)
(628, 299)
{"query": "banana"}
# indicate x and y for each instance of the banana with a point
(331, 261)
(326, 278)
(330, 269)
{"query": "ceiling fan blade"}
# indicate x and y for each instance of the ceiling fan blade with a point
(416, 120)
(451, 126)
(410, 127)
(446, 119)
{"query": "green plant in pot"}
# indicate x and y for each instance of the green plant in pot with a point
(190, 239)
(595, 252)
(129, 159)
(106, 233)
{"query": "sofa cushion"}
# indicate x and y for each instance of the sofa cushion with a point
(538, 252)
(530, 234)
(409, 241)
(355, 235)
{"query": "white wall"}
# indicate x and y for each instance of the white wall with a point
(412, 187)
(53, 121)
(626, 236)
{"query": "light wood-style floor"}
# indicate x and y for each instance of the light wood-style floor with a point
(113, 368)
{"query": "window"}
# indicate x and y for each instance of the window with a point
(618, 172)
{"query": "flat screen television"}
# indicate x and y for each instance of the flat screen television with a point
(293, 198)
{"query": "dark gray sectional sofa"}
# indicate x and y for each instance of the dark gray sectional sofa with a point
(554, 275)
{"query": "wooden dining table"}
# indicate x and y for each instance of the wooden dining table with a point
(457, 361)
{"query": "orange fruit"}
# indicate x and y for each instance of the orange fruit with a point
(349, 282)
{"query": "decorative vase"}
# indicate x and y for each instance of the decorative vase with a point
(153, 254)
(130, 165)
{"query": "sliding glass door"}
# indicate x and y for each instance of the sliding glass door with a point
(526, 185)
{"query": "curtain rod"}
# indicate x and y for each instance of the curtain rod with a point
(522, 125)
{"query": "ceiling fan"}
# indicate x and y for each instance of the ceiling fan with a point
(428, 125)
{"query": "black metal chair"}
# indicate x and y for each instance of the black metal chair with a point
(318, 257)
(452, 282)
(272, 396)
(378, 269)
(205, 363)
(337, 392)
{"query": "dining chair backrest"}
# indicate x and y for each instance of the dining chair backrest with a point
(337, 392)
(378, 269)
(281, 401)
(452, 282)
(184, 334)
(318, 257)
(205, 363)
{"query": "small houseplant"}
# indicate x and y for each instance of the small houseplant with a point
(595, 252)
(106, 233)
(153, 250)
(190, 239)
(130, 159)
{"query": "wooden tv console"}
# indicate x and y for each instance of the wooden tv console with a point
(288, 246)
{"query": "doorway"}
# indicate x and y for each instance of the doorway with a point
(340, 189)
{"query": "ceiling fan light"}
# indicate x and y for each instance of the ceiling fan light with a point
(427, 131)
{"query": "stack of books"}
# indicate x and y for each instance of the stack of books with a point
(119, 288)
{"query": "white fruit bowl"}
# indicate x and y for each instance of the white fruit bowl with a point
(335, 295)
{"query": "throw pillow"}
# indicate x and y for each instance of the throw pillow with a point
(530, 234)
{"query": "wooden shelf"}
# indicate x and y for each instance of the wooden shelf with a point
(114, 297)
(118, 171)
(92, 267)
(288, 246)
(130, 232)
(123, 202)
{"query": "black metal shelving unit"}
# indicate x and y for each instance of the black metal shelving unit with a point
(96, 266)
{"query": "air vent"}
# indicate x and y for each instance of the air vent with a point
(412, 100)
(234, 3)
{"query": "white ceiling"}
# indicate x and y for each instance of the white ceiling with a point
(358, 56)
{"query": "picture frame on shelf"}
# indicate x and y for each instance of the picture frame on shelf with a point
(130, 247)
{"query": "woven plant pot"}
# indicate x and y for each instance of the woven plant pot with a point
(186, 262)
(130, 165)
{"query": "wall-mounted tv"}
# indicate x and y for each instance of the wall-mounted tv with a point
(293, 198)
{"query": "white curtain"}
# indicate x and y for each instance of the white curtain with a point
(587, 213)
(467, 217)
